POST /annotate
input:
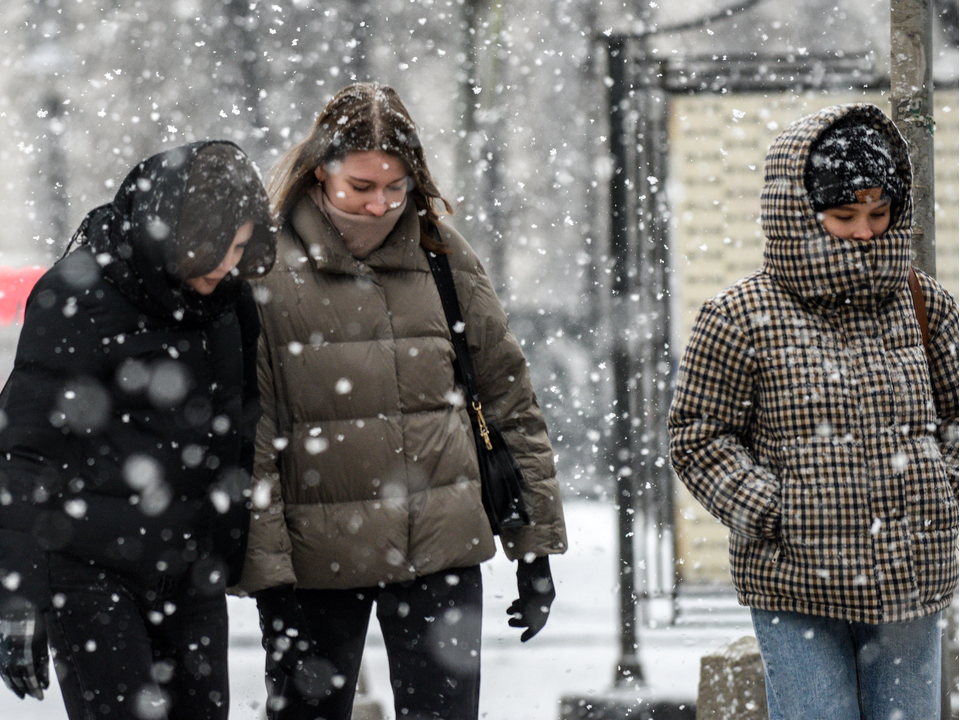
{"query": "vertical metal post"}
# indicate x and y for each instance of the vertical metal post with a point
(655, 480)
(911, 100)
(46, 66)
(621, 452)
(55, 171)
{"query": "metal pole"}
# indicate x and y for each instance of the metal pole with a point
(911, 100)
(653, 255)
(621, 456)
(55, 170)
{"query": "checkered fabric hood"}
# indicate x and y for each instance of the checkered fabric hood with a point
(799, 253)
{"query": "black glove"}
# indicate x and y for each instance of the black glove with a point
(286, 634)
(531, 609)
(24, 658)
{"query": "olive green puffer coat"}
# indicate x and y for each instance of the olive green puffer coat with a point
(366, 470)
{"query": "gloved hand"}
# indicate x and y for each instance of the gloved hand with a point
(24, 658)
(286, 633)
(535, 584)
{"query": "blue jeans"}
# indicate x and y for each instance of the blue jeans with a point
(818, 668)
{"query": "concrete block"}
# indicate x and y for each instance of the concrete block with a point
(731, 683)
(629, 703)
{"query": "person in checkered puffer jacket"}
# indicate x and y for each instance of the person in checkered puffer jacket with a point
(810, 420)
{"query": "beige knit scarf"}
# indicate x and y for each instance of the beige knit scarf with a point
(361, 234)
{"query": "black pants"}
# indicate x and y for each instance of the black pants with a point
(127, 652)
(431, 628)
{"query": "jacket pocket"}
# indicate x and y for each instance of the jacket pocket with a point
(930, 502)
(935, 565)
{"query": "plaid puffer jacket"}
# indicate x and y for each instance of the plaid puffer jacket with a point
(808, 419)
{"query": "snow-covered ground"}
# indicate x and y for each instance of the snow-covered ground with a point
(574, 655)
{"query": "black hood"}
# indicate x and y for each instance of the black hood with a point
(134, 238)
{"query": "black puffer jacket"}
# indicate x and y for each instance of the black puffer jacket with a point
(130, 414)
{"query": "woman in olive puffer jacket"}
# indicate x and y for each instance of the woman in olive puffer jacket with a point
(366, 482)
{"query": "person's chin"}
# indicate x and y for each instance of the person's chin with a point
(203, 287)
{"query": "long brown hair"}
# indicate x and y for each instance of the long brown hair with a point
(361, 117)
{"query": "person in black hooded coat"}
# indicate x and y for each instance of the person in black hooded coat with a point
(127, 442)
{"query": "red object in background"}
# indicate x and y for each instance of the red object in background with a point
(15, 287)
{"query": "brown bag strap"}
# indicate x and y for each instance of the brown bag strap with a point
(920, 308)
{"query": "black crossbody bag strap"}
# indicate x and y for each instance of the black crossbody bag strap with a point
(463, 369)
(443, 276)
(501, 479)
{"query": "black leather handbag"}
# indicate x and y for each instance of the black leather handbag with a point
(500, 475)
